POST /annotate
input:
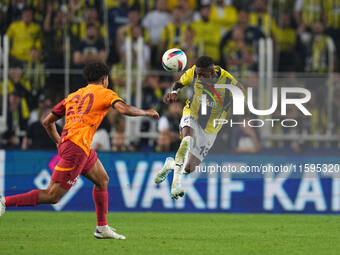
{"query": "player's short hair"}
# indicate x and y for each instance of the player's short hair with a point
(94, 72)
(204, 62)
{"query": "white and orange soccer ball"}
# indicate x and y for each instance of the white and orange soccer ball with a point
(174, 60)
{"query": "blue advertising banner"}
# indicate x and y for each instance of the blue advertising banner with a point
(132, 188)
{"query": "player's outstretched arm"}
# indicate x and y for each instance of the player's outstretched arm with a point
(172, 96)
(49, 125)
(130, 110)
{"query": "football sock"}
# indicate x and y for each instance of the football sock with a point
(26, 199)
(183, 149)
(100, 198)
(173, 165)
(180, 158)
(101, 228)
(177, 174)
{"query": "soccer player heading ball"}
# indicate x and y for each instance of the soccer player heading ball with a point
(84, 110)
(197, 129)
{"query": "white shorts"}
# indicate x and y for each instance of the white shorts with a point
(202, 141)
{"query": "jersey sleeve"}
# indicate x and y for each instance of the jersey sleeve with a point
(230, 78)
(59, 109)
(188, 77)
(113, 98)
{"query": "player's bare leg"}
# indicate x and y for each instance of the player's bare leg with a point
(99, 177)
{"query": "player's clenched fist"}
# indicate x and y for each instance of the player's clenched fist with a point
(170, 98)
(152, 113)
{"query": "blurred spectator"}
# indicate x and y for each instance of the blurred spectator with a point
(54, 25)
(206, 34)
(18, 84)
(36, 137)
(237, 55)
(332, 14)
(317, 123)
(171, 4)
(43, 103)
(25, 37)
(17, 114)
(190, 48)
(78, 29)
(317, 46)
(170, 123)
(223, 15)
(39, 7)
(144, 6)
(90, 49)
(76, 10)
(251, 35)
(332, 23)
(245, 140)
(54, 50)
(117, 16)
(164, 142)
(118, 73)
(35, 75)
(118, 142)
(187, 11)
(307, 12)
(286, 42)
(173, 34)
(10, 141)
(154, 22)
(118, 76)
(125, 31)
(11, 12)
(137, 32)
(260, 18)
(101, 139)
(152, 93)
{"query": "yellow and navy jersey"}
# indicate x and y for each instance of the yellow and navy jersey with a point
(173, 3)
(207, 36)
(225, 19)
(262, 21)
(285, 38)
(317, 55)
(332, 13)
(145, 33)
(25, 111)
(219, 101)
(174, 35)
(78, 30)
(311, 11)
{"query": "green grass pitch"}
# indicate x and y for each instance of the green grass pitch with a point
(169, 233)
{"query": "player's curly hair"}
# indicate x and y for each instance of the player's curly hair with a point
(94, 72)
(204, 62)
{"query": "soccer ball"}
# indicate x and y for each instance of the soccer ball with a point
(174, 60)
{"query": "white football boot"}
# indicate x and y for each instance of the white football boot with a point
(2, 205)
(163, 173)
(177, 190)
(107, 232)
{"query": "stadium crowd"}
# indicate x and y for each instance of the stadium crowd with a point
(303, 31)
